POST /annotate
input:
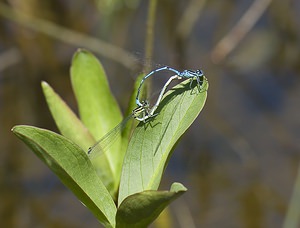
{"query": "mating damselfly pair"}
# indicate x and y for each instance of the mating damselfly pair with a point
(143, 112)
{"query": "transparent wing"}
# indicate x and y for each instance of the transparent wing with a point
(101, 146)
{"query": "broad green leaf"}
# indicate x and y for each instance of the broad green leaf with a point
(98, 108)
(99, 112)
(141, 209)
(152, 143)
(71, 164)
(66, 120)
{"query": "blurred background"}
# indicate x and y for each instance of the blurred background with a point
(240, 158)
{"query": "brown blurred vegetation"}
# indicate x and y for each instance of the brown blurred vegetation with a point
(240, 158)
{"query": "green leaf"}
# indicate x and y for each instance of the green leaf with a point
(98, 108)
(66, 120)
(140, 209)
(99, 112)
(152, 143)
(71, 164)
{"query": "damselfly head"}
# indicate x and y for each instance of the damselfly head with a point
(199, 72)
(196, 73)
(145, 104)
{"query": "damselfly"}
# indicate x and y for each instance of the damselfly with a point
(185, 74)
(142, 113)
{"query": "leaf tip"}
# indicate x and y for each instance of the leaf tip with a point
(44, 84)
(13, 129)
(79, 52)
(17, 130)
(178, 187)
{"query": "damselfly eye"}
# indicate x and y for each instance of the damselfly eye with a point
(199, 72)
(145, 103)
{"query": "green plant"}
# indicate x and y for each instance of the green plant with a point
(120, 186)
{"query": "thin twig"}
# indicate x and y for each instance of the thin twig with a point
(69, 36)
(239, 31)
(149, 43)
(150, 33)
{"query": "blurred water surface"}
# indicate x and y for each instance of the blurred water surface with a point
(239, 159)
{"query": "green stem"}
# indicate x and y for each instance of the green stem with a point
(150, 33)
(149, 43)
